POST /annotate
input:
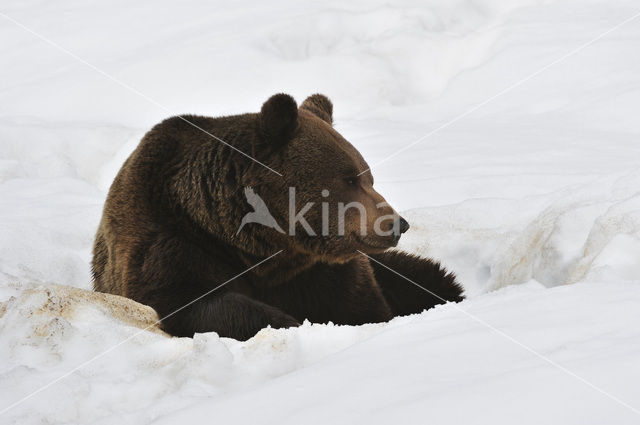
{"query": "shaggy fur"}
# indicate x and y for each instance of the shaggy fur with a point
(168, 229)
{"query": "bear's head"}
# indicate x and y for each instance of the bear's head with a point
(319, 191)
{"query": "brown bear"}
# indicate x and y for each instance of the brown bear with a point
(177, 231)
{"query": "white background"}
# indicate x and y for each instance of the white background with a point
(533, 199)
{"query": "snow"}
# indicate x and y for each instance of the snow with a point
(533, 199)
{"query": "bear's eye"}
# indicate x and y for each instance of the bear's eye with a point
(352, 181)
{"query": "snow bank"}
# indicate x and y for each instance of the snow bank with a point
(533, 200)
(51, 330)
(442, 365)
(582, 233)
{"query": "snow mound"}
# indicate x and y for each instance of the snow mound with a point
(449, 368)
(48, 310)
(533, 200)
(371, 372)
(579, 234)
(53, 331)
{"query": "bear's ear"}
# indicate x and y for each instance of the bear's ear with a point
(320, 106)
(279, 119)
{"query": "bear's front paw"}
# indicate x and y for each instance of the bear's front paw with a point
(284, 321)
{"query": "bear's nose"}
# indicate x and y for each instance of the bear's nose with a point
(404, 225)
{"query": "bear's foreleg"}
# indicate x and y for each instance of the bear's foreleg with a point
(230, 315)
(436, 285)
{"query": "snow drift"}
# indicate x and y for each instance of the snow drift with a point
(533, 199)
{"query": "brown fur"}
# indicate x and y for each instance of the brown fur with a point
(168, 230)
